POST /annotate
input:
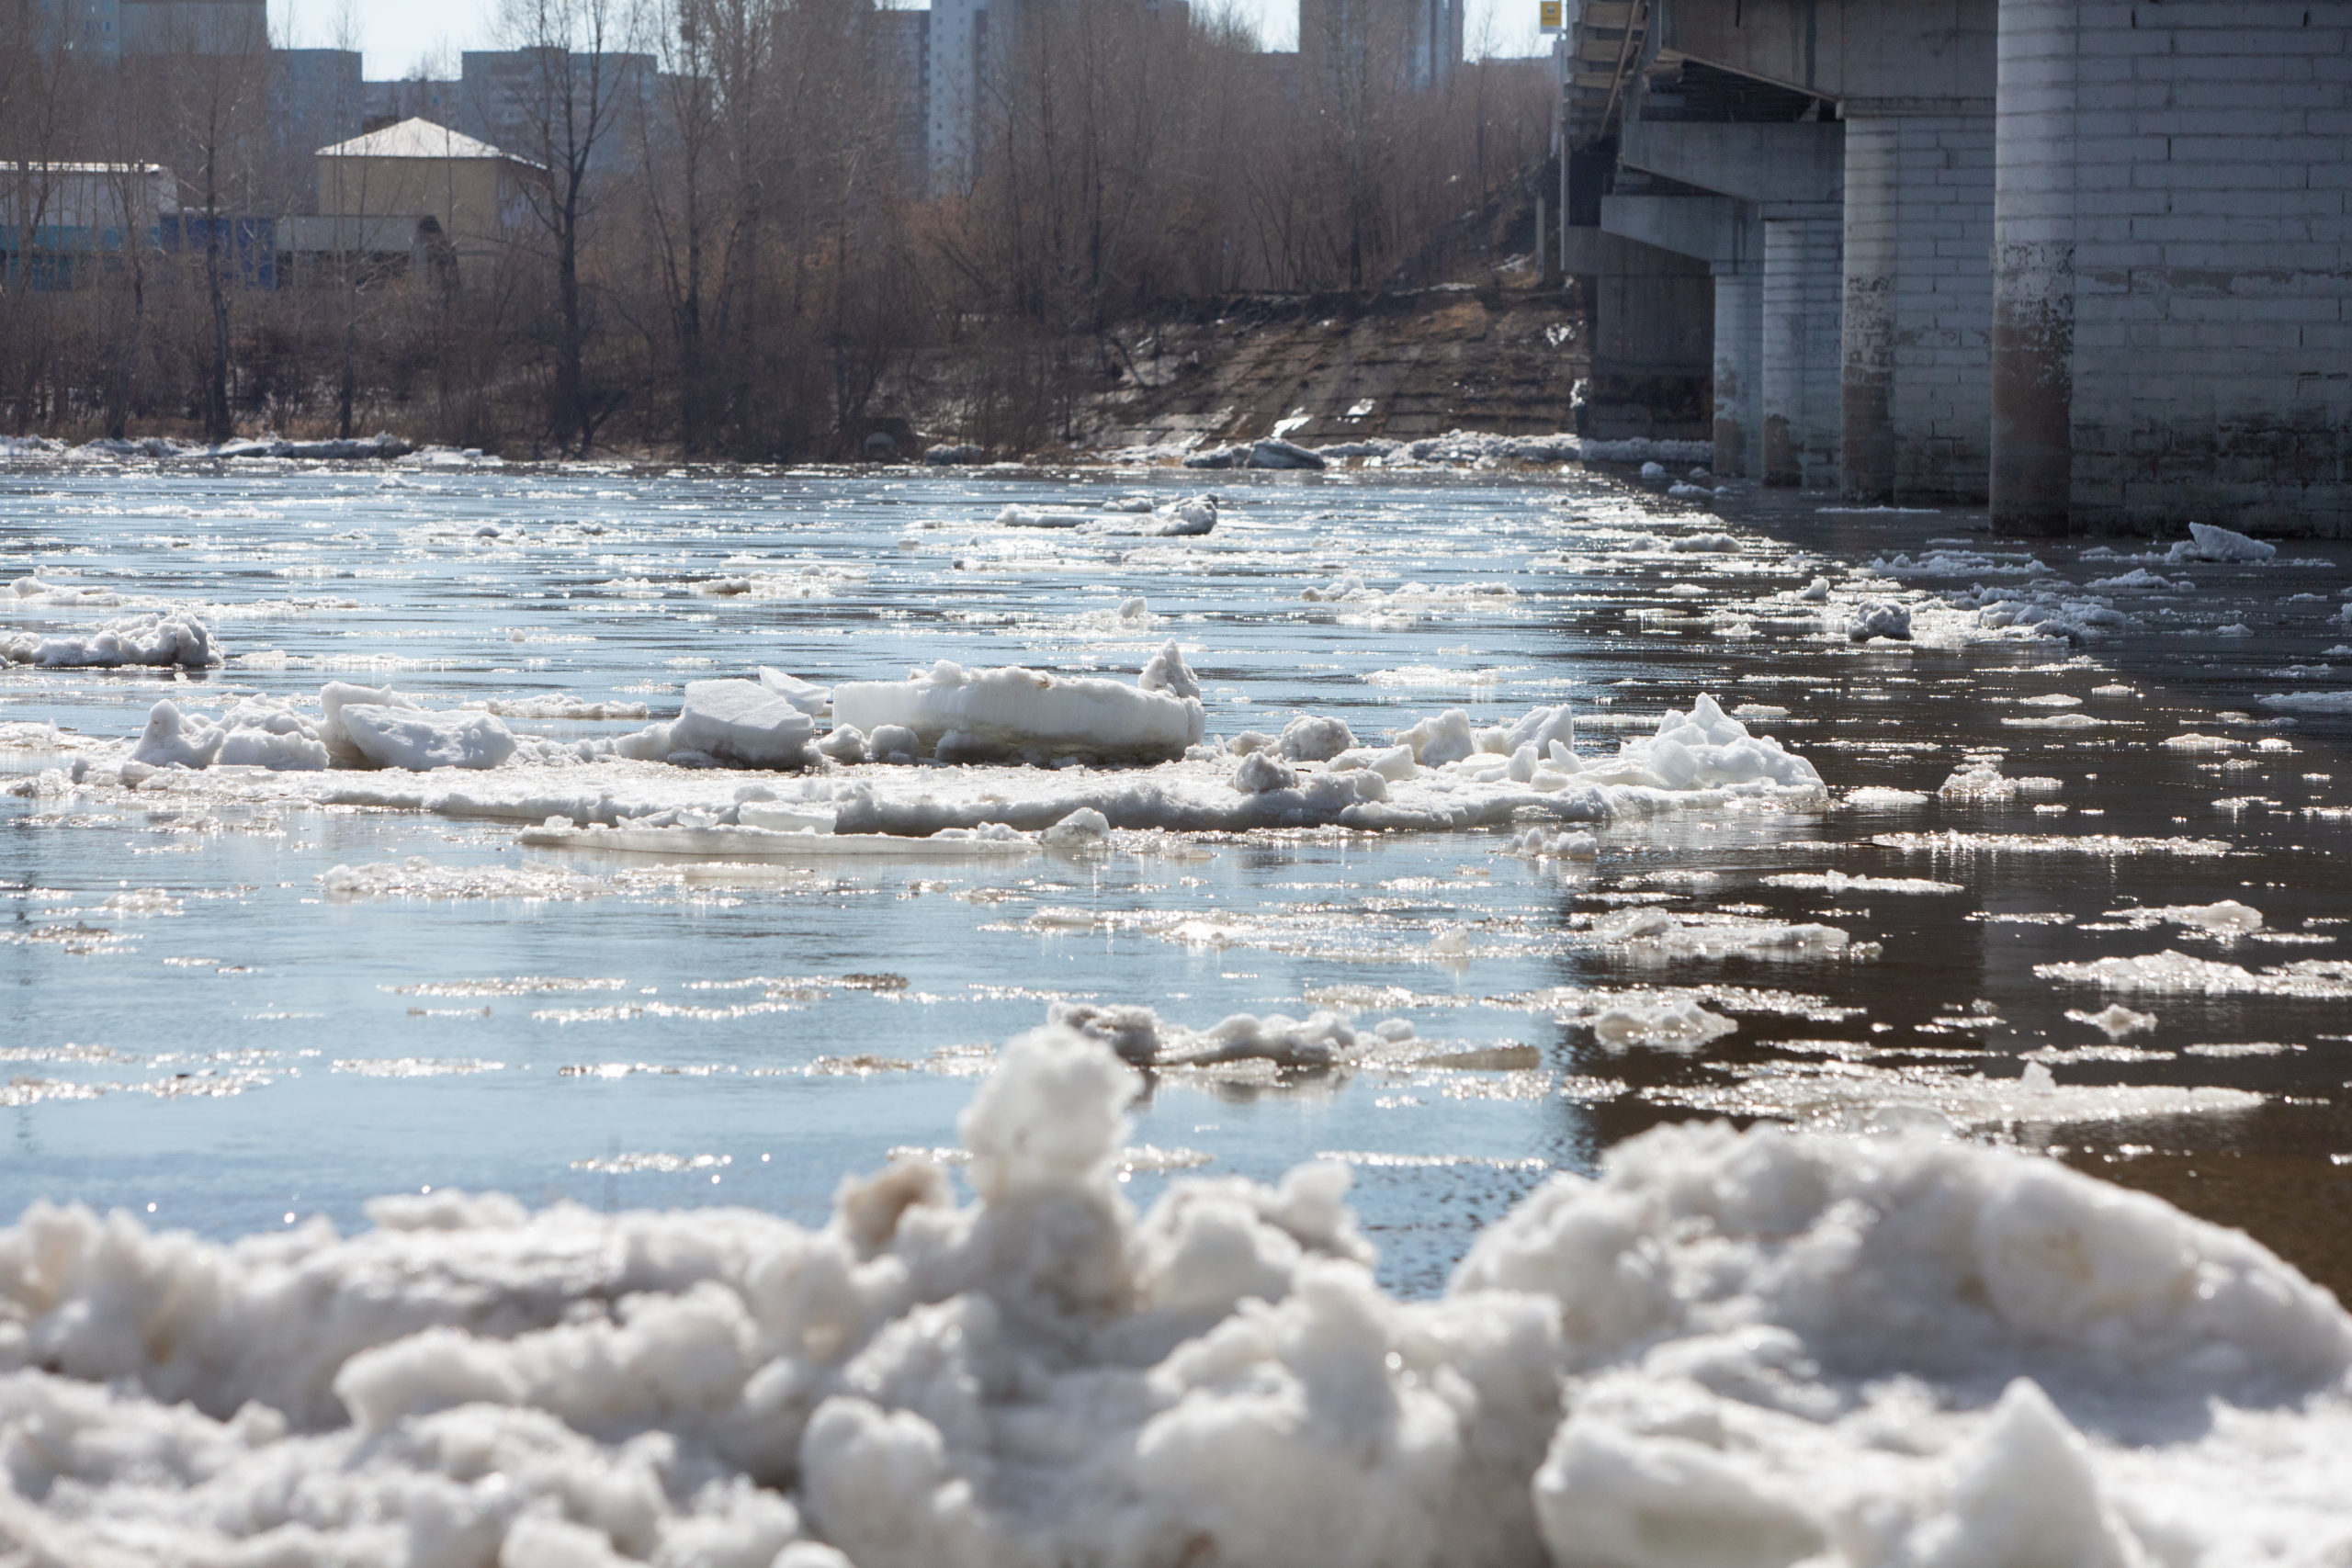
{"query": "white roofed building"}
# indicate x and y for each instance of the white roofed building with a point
(477, 193)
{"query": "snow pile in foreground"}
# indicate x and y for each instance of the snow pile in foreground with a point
(1727, 1349)
(162, 641)
(959, 714)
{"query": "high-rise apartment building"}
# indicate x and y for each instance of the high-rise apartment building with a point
(1414, 44)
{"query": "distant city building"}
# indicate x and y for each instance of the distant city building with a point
(960, 62)
(413, 98)
(508, 96)
(901, 44)
(1417, 44)
(109, 29)
(316, 96)
(83, 27)
(193, 27)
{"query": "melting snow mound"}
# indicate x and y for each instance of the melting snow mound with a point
(1725, 1348)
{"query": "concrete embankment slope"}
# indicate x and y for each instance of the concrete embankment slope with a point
(1322, 369)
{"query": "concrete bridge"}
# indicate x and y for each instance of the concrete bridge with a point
(2089, 261)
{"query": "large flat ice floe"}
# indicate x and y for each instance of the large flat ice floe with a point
(1723, 1349)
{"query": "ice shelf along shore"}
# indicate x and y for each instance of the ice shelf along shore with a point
(1722, 1348)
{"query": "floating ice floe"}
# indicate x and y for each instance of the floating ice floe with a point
(1838, 881)
(1675, 1023)
(1356, 603)
(962, 714)
(1857, 1095)
(708, 835)
(1142, 1038)
(1877, 618)
(2176, 973)
(1981, 780)
(163, 641)
(2115, 1020)
(1538, 844)
(2048, 614)
(32, 593)
(2208, 543)
(1656, 935)
(1956, 842)
(2228, 918)
(2308, 701)
(1722, 1348)
(1440, 774)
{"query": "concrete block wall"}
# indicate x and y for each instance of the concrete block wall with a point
(1740, 370)
(1917, 306)
(1803, 284)
(2172, 245)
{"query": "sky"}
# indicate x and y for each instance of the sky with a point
(395, 34)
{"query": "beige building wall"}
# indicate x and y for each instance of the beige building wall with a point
(470, 197)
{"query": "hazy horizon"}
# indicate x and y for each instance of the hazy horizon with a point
(396, 37)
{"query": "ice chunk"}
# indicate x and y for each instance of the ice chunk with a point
(333, 697)
(1193, 516)
(744, 723)
(161, 640)
(2115, 1020)
(1536, 843)
(2208, 543)
(1141, 1039)
(893, 743)
(1276, 453)
(1678, 1023)
(1259, 772)
(173, 739)
(845, 743)
(815, 701)
(1166, 672)
(1311, 737)
(1436, 741)
(1018, 517)
(1542, 728)
(1877, 618)
(420, 741)
(2228, 918)
(1084, 829)
(1703, 749)
(995, 713)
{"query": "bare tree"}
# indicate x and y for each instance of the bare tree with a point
(570, 105)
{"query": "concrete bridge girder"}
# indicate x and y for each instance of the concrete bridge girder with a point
(1842, 49)
(1795, 162)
